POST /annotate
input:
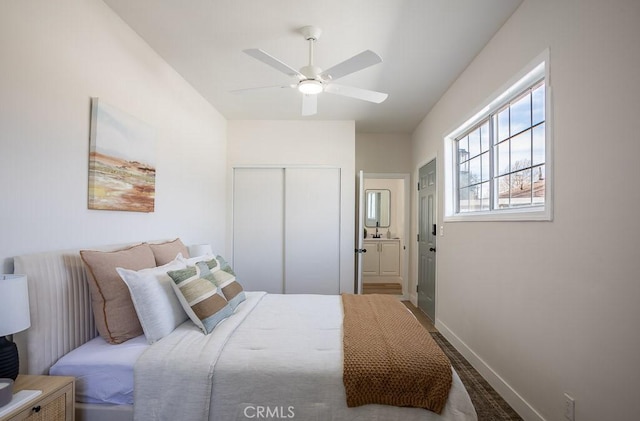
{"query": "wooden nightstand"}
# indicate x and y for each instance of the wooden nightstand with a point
(56, 403)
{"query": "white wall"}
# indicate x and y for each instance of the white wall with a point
(383, 152)
(544, 308)
(302, 143)
(55, 56)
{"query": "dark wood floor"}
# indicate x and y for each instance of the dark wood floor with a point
(422, 318)
(489, 405)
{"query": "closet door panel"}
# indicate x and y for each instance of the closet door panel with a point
(258, 228)
(312, 231)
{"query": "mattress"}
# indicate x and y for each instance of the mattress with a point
(103, 372)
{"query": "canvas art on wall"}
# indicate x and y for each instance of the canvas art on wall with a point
(122, 170)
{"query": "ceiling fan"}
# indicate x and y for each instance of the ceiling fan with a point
(312, 80)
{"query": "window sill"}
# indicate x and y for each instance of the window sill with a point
(502, 215)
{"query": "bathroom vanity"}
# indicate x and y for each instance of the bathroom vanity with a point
(382, 258)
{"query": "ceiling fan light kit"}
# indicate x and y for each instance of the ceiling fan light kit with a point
(310, 87)
(313, 81)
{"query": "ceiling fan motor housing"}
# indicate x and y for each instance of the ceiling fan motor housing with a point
(311, 32)
(311, 72)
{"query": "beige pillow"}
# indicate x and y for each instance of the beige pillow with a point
(113, 310)
(167, 252)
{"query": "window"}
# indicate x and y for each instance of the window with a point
(498, 160)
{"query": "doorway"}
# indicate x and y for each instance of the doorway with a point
(427, 231)
(385, 264)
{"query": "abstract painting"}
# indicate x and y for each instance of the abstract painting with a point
(122, 174)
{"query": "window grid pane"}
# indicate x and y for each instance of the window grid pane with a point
(521, 151)
(504, 192)
(538, 185)
(503, 163)
(511, 173)
(503, 124)
(486, 196)
(537, 103)
(538, 142)
(486, 166)
(474, 143)
(521, 188)
(475, 171)
(520, 114)
(484, 136)
(463, 149)
(464, 199)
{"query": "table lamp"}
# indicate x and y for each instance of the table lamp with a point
(14, 318)
(197, 250)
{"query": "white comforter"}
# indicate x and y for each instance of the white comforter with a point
(277, 356)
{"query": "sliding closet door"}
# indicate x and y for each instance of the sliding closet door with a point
(312, 231)
(258, 226)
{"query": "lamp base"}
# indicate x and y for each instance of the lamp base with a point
(9, 364)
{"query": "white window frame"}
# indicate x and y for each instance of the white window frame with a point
(533, 72)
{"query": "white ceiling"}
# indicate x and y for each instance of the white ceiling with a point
(424, 44)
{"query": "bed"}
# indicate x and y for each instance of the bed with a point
(276, 355)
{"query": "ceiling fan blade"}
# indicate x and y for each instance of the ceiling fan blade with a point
(358, 62)
(350, 91)
(261, 88)
(270, 60)
(309, 104)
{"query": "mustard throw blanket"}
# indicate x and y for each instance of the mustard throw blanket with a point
(389, 357)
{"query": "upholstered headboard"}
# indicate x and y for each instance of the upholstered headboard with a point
(60, 308)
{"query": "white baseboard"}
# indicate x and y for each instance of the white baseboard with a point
(512, 397)
(413, 297)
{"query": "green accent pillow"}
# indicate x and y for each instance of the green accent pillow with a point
(225, 279)
(200, 298)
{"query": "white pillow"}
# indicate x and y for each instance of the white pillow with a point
(157, 306)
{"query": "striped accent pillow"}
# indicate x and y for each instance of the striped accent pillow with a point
(230, 285)
(199, 296)
(225, 279)
(224, 265)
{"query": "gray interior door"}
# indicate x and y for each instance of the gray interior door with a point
(427, 240)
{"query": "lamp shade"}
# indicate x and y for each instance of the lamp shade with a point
(14, 304)
(200, 250)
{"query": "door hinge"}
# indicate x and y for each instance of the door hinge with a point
(418, 238)
(418, 186)
(417, 288)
